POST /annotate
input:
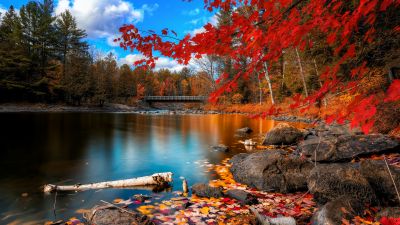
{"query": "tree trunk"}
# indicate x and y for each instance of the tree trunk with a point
(282, 61)
(155, 179)
(302, 72)
(320, 83)
(269, 83)
(260, 89)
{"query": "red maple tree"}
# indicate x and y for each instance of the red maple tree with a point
(275, 25)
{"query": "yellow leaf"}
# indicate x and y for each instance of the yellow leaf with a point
(205, 210)
(118, 200)
(163, 207)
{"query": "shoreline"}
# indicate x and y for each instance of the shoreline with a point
(120, 108)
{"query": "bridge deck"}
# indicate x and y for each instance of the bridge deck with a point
(175, 98)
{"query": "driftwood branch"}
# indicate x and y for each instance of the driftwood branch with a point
(158, 179)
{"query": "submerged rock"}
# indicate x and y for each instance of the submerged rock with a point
(109, 215)
(328, 182)
(283, 134)
(220, 148)
(332, 213)
(271, 171)
(204, 190)
(244, 130)
(346, 147)
(377, 174)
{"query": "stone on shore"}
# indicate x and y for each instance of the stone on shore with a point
(333, 212)
(204, 190)
(393, 212)
(109, 215)
(377, 174)
(271, 171)
(283, 134)
(328, 182)
(346, 147)
(242, 196)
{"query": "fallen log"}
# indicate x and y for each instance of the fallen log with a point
(159, 179)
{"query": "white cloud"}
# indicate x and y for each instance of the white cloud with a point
(2, 12)
(161, 62)
(103, 18)
(193, 12)
(150, 8)
(213, 20)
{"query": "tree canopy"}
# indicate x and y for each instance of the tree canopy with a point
(348, 37)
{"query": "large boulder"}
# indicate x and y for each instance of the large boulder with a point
(378, 176)
(283, 134)
(328, 182)
(346, 147)
(204, 190)
(109, 215)
(333, 213)
(271, 171)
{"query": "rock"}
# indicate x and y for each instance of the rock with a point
(271, 171)
(328, 182)
(203, 190)
(378, 176)
(393, 212)
(284, 134)
(108, 215)
(244, 130)
(265, 220)
(333, 212)
(220, 148)
(346, 147)
(141, 198)
(243, 196)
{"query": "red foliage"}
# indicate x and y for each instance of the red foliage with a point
(393, 93)
(390, 221)
(278, 25)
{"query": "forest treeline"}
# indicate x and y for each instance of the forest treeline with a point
(45, 58)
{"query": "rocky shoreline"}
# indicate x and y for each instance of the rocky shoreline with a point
(345, 171)
(344, 175)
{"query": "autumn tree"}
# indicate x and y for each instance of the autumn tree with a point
(271, 27)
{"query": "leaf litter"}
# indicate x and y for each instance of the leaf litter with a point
(183, 210)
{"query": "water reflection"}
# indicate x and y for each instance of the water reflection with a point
(80, 148)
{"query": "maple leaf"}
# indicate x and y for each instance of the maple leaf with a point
(393, 93)
(390, 221)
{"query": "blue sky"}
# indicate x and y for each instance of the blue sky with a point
(102, 18)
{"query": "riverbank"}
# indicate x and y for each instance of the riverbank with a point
(324, 175)
(145, 110)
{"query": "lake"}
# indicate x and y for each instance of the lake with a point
(69, 148)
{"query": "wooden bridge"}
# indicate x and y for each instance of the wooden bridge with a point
(150, 99)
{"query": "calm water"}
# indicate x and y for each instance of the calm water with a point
(69, 148)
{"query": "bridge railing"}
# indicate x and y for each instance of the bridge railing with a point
(175, 98)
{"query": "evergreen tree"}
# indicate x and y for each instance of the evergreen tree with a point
(13, 59)
(39, 34)
(69, 37)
